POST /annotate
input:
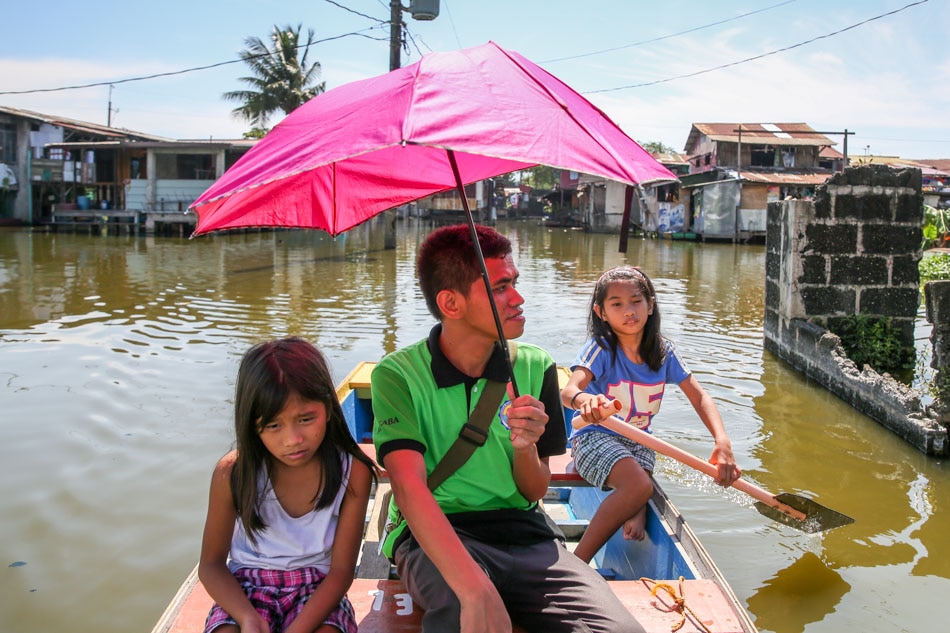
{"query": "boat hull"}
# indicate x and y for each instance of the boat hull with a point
(648, 576)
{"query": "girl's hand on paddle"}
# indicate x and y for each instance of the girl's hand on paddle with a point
(727, 470)
(596, 408)
(526, 420)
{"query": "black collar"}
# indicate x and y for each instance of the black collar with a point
(448, 375)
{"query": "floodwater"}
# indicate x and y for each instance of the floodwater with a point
(117, 364)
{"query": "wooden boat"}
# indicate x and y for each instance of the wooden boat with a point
(563, 222)
(668, 581)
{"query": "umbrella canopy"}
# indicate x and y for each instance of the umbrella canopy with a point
(368, 146)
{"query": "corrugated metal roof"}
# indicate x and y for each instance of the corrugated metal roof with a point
(167, 144)
(830, 152)
(786, 178)
(80, 126)
(897, 162)
(671, 158)
(943, 164)
(770, 133)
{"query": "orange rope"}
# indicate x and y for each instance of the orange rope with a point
(679, 603)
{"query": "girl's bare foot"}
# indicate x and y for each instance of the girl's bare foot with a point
(634, 528)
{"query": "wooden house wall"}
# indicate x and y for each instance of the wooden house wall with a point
(753, 196)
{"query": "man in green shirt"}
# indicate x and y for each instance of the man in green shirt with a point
(477, 553)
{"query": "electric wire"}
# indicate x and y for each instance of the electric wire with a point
(756, 57)
(666, 37)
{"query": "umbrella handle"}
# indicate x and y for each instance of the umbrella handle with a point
(481, 261)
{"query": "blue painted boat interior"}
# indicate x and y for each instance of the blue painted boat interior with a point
(656, 557)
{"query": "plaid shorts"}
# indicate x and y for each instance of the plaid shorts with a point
(279, 597)
(596, 452)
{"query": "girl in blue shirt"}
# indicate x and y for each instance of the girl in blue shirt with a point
(628, 360)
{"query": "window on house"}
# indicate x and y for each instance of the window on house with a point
(196, 167)
(184, 166)
(7, 143)
(788, 157)
(762, 156)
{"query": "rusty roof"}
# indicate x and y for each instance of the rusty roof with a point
(770, 133)
(943, 164)
(80, 126)
(926, 168)
(786, 178)
(671, 158)
(830, 152)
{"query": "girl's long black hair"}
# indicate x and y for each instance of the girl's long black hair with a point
(652, 346)
(269, 373)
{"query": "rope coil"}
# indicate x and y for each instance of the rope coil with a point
(679, 603)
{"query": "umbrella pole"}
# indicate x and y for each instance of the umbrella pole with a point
(481, 261)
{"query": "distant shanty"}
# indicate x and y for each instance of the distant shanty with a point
(71, 175)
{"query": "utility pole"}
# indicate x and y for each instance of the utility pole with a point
(420, 10)
(109, 113)
(395, 34)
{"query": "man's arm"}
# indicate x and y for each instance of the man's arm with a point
(527, 421)
(482, 607)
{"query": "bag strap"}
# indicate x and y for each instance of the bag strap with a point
(475, 432)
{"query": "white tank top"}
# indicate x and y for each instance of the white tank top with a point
(288, 542)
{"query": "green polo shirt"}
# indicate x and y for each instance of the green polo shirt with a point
(421, 401)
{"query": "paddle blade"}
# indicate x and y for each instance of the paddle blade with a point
(818, 518)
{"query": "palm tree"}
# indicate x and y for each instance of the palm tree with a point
(280, 80)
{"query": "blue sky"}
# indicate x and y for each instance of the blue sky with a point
(885, 79)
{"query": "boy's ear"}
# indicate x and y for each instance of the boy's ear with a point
(450, 303)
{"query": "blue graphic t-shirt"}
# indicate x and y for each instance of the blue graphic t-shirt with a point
(637, 387)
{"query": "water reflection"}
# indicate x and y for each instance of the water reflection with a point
(825, 454)
(117, 359)
(804, 592)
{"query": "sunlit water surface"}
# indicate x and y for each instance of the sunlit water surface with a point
(117, 364)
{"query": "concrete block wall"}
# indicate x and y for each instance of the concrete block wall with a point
(854, 250)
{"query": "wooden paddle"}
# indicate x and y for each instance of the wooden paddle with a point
(790, 509)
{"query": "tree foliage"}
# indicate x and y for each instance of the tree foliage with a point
(282, 79)
(657, 147)
(541, 177)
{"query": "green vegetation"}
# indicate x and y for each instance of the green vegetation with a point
(874, 341)
(541, 177)
(936, 227)
(934, 267)
(282, 79)
(657, 147)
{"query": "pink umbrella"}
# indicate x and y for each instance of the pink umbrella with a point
(368, 146)
(448, 120)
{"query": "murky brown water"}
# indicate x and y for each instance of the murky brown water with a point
(117, 361)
